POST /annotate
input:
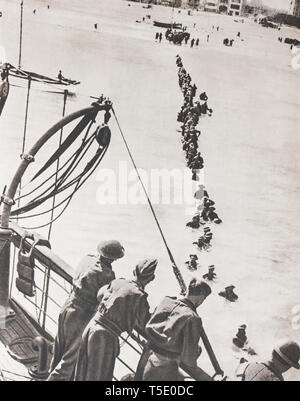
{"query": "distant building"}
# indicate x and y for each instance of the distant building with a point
(295, 8)
(169, 3)
(229, 7)
(211, 6)
(236, 7)
(224, 6)
(190, 4)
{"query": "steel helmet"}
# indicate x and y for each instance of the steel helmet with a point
(203, 96)
(111, 249)
(289, 351)
(145, 270)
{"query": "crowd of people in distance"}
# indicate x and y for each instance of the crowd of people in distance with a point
(179, 37)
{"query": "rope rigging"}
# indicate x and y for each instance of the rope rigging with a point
(176, 270)
(65, 175)
(57, 184)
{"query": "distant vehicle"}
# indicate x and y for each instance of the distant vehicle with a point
(268, 23)
(291, 41)
(167, 25)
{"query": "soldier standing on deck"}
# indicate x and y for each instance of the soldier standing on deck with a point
(173, 332)
(123, 307)
(95, 272)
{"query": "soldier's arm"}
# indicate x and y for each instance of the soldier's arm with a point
(143, 316)
(190, 352)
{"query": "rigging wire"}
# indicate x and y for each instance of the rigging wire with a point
(52, 175)
(58, 162)
(46, 280)
(38, 201)
(20, 184)
(68, 200)
(174, 266)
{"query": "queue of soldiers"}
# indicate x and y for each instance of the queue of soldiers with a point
(205, 207)
(102, 307)
(189, 116)
(285, 355)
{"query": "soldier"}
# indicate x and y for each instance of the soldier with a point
(197, 163)
(194, 87)
(211, 275)
(95, 272)
(201, 193)
(212, 215)
(240, 339)
(285, 355)
(174, 331)
(192, 264)
(123, 307)
(195, 223)
(229, 294)
(203, 97)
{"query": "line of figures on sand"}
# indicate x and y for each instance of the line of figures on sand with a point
(189, 115)
(102, 307)
(179, 37)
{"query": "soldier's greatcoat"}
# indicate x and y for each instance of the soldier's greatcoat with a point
(262, 372)
(76, 313)
(123, 307)
(173, 333)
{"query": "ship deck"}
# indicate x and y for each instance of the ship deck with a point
(17, 355)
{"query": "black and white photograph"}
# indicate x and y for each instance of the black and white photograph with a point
(149, 193)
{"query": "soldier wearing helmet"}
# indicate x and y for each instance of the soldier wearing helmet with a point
(94, 272)
(285, 355)
(173, 333)
(123, 307)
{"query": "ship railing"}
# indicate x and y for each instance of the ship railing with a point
(53, 284)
